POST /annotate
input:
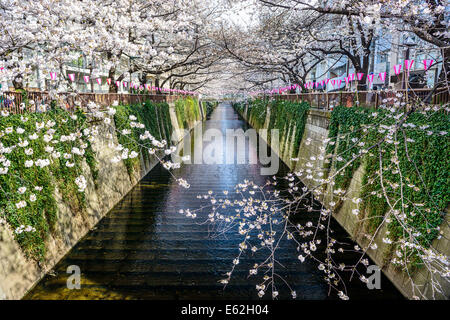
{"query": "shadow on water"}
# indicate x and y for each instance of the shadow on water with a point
(145, 249)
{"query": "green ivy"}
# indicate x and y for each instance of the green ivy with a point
(187, 111)
(257, 112)
(239, 107)
(166, 122)
(208, 107)
(286, 113)
(426, 159)
(156, 119)
(42, 213)
(282, 115)
(346, 126)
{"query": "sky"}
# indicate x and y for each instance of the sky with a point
(241, 13)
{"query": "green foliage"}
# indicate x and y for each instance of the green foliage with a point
(156, 119)
(187, 111)
(239, 107)
(257, 112)
(419, 162)
(282, 115)
(286, 113)
(165, 121)
(208, 107)
(346, 128)
(425, 159)
(122, 122)
(91, 161)
(40, 213)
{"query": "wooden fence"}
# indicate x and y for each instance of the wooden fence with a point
(17, 102)
(371, 99)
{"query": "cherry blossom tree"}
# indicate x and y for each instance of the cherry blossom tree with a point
(358, 22)
(121, 38)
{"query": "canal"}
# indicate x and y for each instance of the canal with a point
(145, 249)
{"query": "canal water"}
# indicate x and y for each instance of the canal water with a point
(145, 249)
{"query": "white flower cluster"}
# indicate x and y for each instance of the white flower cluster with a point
(168, 165)
(42, 163)
(23, 228)
(21, 204)
(81, 182)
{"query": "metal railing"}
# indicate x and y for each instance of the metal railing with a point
(369, 99)
(18, 102)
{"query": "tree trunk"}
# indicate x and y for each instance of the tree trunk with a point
(112, 87)
(362, 84)
(143, 79)
(18, 82)
(157, 85)
(444, 76)
(90, 79)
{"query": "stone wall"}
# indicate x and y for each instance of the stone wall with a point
(17, 273)
(316, 131)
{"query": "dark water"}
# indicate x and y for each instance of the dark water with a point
(145, 249)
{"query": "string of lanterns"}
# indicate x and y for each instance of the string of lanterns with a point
(125, 84)
(337, 82)
(130, 85)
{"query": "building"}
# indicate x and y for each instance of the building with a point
(385, 54)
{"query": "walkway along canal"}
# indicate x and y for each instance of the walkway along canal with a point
(145, 249)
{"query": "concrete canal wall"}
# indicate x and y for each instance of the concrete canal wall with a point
(17, 272)
(316, 131)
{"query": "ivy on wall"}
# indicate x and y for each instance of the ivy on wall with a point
(415, 168)
(52, 137)
(30, 140)
(345, 130)
(422, 159)
(208, 107)
(257, 110)
(156, 119)
(187, 111)
(166, 122)
(283, 114)
(239, 107)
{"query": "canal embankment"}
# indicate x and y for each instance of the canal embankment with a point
(144, 248)
(107, 183)
(302, 133)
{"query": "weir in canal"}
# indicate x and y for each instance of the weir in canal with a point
(145, 249)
